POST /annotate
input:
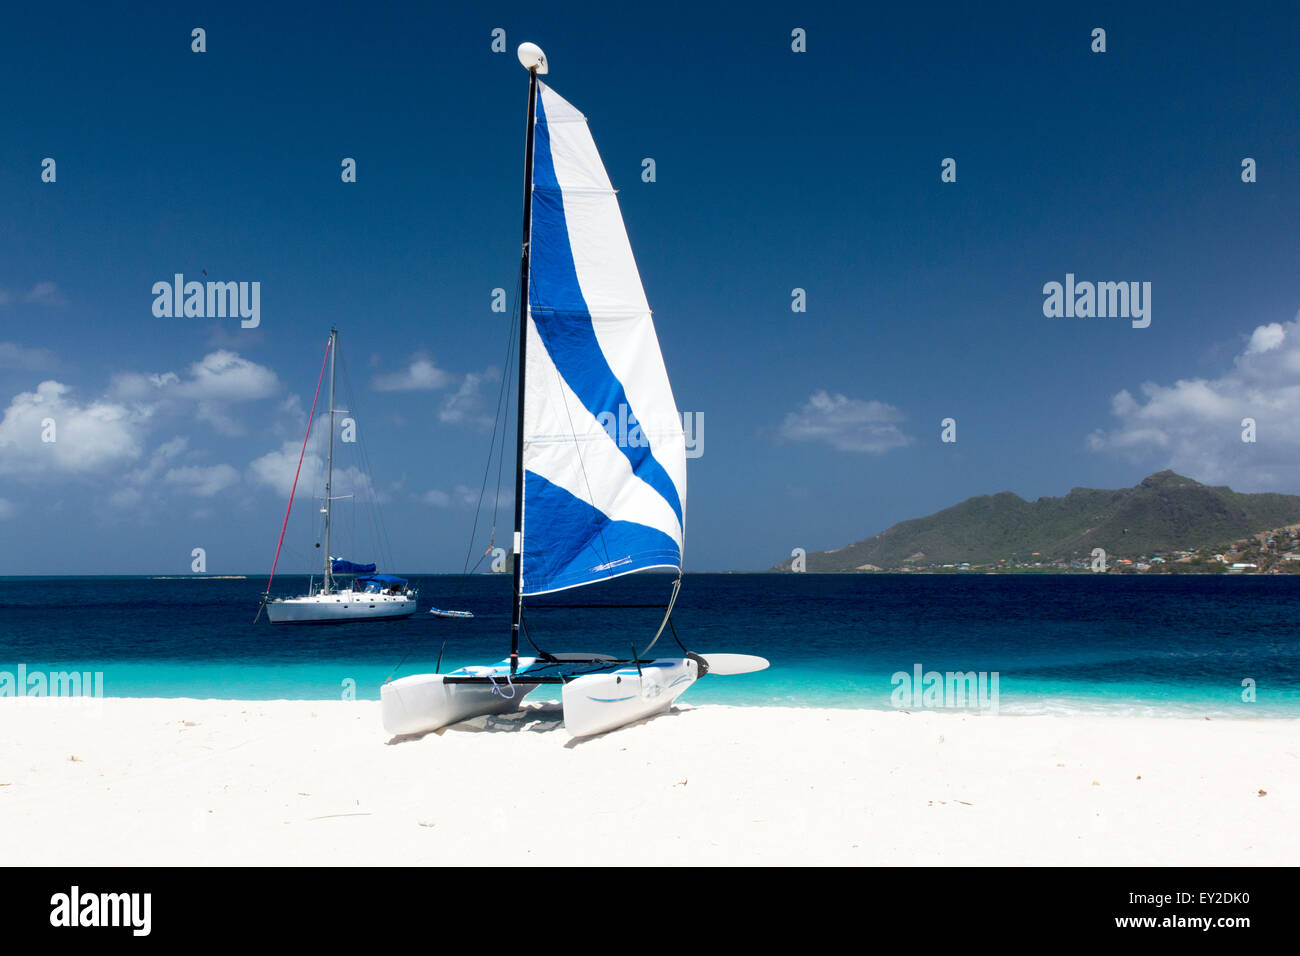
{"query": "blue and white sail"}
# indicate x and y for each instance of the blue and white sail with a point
(604, 451)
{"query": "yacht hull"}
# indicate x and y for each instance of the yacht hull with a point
(342, 606)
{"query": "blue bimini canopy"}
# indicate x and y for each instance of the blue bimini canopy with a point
(377, 582)
(347, 567)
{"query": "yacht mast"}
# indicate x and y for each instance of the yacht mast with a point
(534, 60)
(329, 470)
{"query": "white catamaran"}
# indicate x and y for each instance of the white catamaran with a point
(370, 596)
(588, 507)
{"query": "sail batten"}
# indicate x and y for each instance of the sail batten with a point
(604, 452)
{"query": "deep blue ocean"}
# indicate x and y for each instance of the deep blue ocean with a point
(1058, 643)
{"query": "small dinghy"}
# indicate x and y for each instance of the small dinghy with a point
(439, 612)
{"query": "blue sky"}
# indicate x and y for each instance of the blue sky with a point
(775, 170)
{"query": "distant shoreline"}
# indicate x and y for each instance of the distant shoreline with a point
(198, 577)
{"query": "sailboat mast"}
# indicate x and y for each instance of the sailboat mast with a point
(329, 467)
(517, 611)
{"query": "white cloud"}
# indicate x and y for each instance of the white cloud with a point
(287, 419)
(106, 435)
(140, 386)
(211, 386)
(276, 470)
(204, 481)
(847, 424)
(162, 456)
(13, 355)
(466, 405)
(43, 293)
(219, 376)
(1266, 337)
(88, 436)
(228, 377)
(1194, 426)
(421, 375)
(125, 498)
(216, 415)
(164, 469)
(463, 496)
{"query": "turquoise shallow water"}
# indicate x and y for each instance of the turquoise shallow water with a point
(1058, 644)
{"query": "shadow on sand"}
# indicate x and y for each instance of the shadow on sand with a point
(662, 715)
(540, 718)
(537, 718)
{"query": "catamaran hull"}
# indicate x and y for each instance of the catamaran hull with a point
(424, 702)
(597, 703)
(333, 608)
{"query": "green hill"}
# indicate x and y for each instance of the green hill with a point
(1165, 512)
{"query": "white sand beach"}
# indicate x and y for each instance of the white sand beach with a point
(210, 782)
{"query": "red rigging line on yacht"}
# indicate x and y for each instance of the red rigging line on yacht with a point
(289, 507)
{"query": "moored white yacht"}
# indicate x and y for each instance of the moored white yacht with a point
(370, 596)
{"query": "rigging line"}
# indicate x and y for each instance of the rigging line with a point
(487, 470)
(524, 625)
(320, 433)
(379, 530)
(352, 510)
(501, 419)
(497, 425)
(677, 586)
(320, 378)
(673, 629)
(356, 489)
(507, 378)
(518, 313)
(409, 650)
